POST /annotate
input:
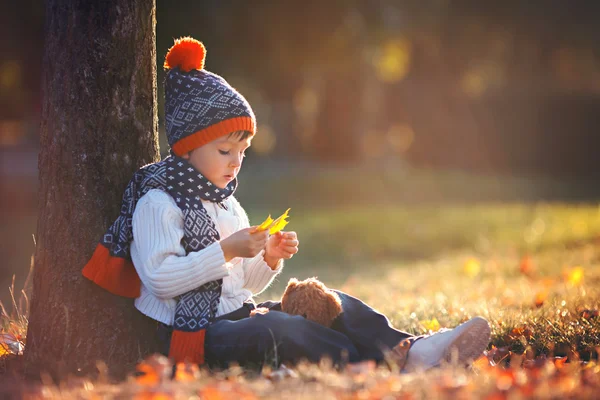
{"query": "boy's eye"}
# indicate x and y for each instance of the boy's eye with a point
(225, 153)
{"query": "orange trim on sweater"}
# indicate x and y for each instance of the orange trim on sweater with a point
(200, 138)
(187, 346)
(115, 274)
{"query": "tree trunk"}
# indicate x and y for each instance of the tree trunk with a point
(99, 124)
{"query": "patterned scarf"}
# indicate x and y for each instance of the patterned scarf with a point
(111, 266)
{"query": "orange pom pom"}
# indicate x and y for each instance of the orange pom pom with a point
(187, 53)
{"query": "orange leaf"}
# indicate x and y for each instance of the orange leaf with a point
(153, 370)
(548, 282)
(559, 362)
(149, 395)
(505, 379)
(524, 331)
(589, 314)
(540, 298)
(482, 362)
(3, 349)
(148, 375)
(527, 267)
(186, 372)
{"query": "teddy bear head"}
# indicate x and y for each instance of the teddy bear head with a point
(311, 299)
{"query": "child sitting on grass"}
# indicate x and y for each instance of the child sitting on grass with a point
(184, 249)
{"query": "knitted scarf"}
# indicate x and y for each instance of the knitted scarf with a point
(111, 266)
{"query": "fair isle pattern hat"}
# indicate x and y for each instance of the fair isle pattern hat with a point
(199, 106)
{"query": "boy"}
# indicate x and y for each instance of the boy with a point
(183, 247)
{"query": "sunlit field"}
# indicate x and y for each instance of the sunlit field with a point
(531, 269)
(436, 158)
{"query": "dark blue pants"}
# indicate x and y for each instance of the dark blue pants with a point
(359, 333)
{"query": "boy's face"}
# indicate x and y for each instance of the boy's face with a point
(220, 160)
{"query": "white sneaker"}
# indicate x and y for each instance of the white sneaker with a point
(462, 344)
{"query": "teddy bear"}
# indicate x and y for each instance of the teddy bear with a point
(311, 299)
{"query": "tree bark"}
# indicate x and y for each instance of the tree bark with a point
(99, 124)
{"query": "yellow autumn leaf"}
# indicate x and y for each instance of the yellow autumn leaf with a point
(574, 275)
(264, 225)
(279, 223)
(277, 227)
(273, 226)
(432, 325)
(472, 267)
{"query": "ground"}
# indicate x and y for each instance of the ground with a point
(529, 267)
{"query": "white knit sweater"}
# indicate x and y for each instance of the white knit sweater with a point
(166, 271)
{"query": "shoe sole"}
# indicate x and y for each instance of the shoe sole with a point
(472, 340)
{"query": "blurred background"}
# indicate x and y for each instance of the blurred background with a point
(403, 106)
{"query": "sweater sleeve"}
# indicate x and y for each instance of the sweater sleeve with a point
(257, 273)
(162, 264)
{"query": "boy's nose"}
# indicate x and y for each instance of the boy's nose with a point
(236, 161)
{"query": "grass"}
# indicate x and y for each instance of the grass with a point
(339, 243)
(532, 269)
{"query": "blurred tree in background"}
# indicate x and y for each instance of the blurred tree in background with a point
(509, 87)
(500, 87)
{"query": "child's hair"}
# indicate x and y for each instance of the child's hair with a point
(243, 135)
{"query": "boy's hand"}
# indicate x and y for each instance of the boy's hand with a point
(244, 243)
(281, 245)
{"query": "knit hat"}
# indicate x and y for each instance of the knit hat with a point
(200, 106)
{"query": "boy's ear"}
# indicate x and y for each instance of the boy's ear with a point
(185, 156)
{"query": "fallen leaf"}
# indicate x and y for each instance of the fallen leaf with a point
(559, 362)
(505, 379)
(432, 325)
(472, 267)
(540, 298)
(589, 314)
(482, 362)
(548, 282)
(153, 369)
(186, 372)
(574, 276)
(522, 331)
(10, 344)
(149, 395)
(526, 266)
